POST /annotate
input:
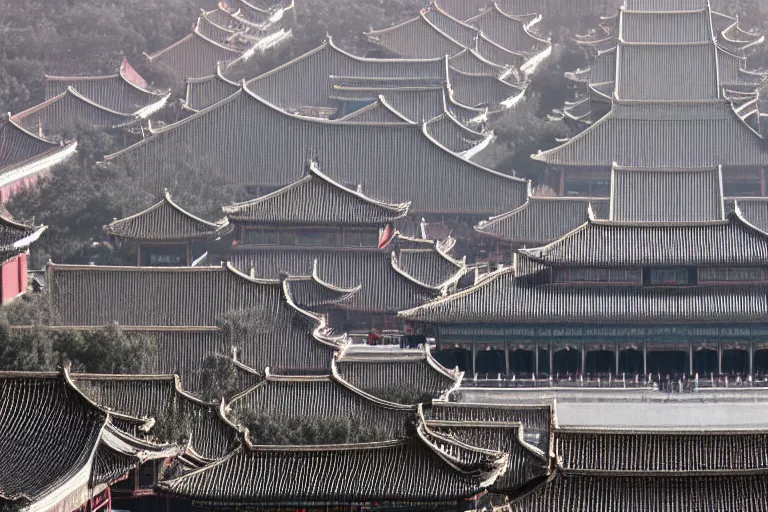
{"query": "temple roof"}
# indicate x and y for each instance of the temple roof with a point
(705, 134)
(649, 494)
(689, 72)
(193, 56)
(412, 470)
(753, 209)
(657, 453)
(275, 150)
(387, 281)
(510, 32)
(54, 444)
(542, 219)
(204, 92)
(70, 109)
(316, 200)
(450, 133)
(657, 243)
(194, 297)
(160, 398)
(484, 91)
(500, 299)
(125, 92)
(290, 398)
(526, 462)
(304, 80)
(379, 374)
(164, 221)
(22, 153)
(17, 236)
(666, 27)
(666, 195)
(665, 5)
(312, 293)
(418, 38)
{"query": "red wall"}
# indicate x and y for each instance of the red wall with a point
(17, 186)
(13, 278)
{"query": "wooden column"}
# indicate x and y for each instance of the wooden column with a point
(474, 359)
(751, 348)
(189, 253)
(535, 358)
(551, 358)
(506, 358)
(583, 359)
(690, 358)
(645, 358)
(616, 354)
(719, 358)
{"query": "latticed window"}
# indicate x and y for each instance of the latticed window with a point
(670, 276)
(734, 274)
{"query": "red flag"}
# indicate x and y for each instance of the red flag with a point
(386, 236)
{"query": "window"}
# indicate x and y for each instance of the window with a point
(260, 237)
(674, 276)
(318, 237)
(734, 274)
(597, 275)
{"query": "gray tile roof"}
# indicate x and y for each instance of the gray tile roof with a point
(316, 200)
(204, 92)
(379, 374)
(125, 92)
(664, 135)
(21, 149)
(499, 299)
(400, 471)
(667, 195)
(194, 56)
(649, 494)
(666, 27)
(164, 221)
(654, 452)
(732, 242)
(292, 398)
(161, 398)
(542, 220)
(273, 152)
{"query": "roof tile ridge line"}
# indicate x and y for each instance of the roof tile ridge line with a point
(87, 100)
(146, 424)
(352, 56)
(171, 126)
(325, 284)
(322, 448)
(385, 103)
(271, 377)
(188, 396)
(745, 44)
(340, 342)
(112, 430)
(494, 219)
(447, 111)
(19, 127)
(380, 402)
(738, 215)
(399, 208)
(172, 483)
(527, 492)
(471, 164)
(501, 462)
(456, 375)
(436, 7)
(215, 43)
(663, 13)
(450, 440)
(65, 78)
(215, 225)
(204, 16)
(612, 199)
(40, 106)
(129, 268)
(396, 267)
(585, 133)
(519, 19)
(116, 222)
(373, 33)
(232, 209)
(459, 264)
(242, 394)
(153, 56)
(442, 33)
(538, 253)
(489, 278)
(478, 56)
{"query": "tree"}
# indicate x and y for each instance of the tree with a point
(219, 378)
